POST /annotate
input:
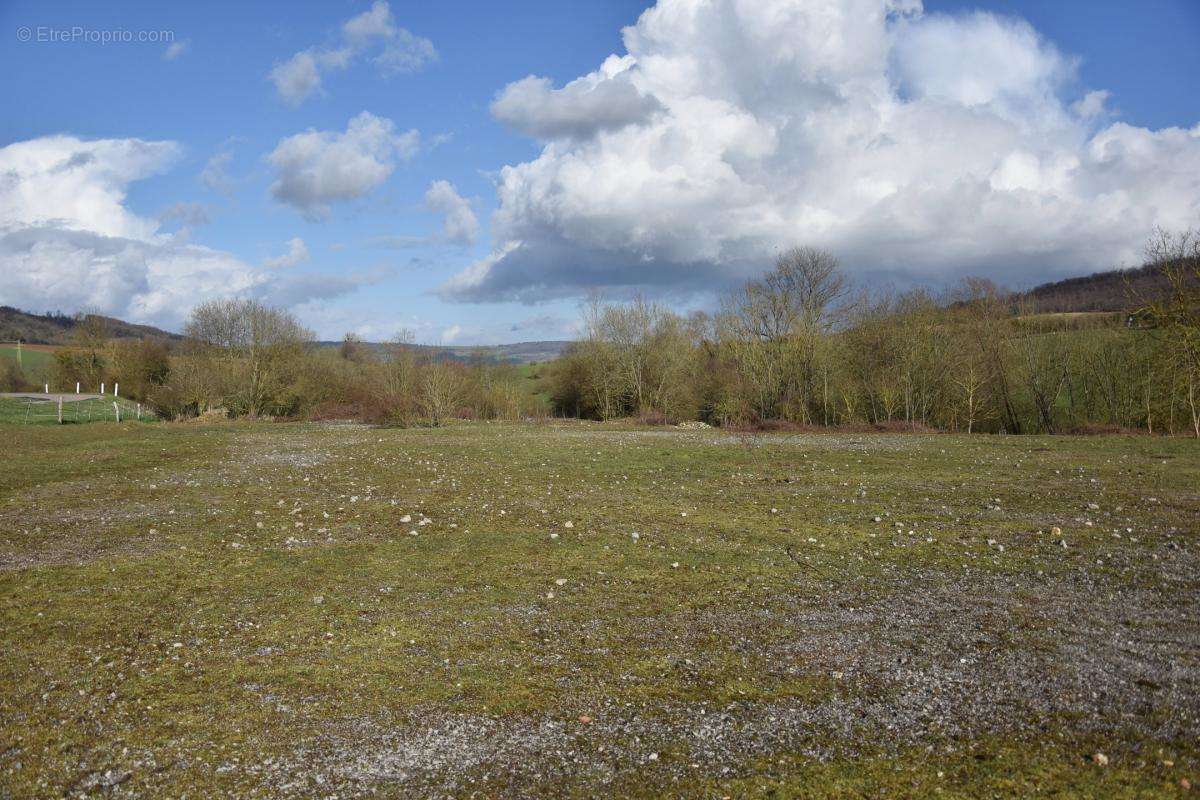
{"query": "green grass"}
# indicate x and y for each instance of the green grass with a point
(30, 359)
(219, 610)
(533, 381)
(25, 411)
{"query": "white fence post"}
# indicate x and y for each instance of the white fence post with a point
(101, 388)
(60, 409)
(76, 387)
(117, 411)
(47, 388)
(116, 390)
(139, 410)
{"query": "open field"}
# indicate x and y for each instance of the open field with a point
(32, 356)
(38, 409)
(297, 610)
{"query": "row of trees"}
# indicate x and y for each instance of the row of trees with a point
(243, 358)
(799, 346)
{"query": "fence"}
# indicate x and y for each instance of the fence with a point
(63, 409)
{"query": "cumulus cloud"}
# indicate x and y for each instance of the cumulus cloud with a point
(297, 252)
(916, 146)
(396, 50)
(64, 182)
(604, 100)
(296, 78)
(316, 168)
(68, 241)
(459, 224)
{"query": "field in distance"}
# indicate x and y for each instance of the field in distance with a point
(31, 356)
(290, 610)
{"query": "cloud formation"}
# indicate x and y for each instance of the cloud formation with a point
(604, 100)
(215, 174)
(316, 168)
(459, 225)
(916, 146)
(396, 50)
(297, 252)
(68, 241)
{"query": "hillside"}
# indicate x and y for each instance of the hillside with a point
(1114, 290)
(516, 353)
(56, 328)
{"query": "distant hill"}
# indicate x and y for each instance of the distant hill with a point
(517, 353)
(56, 328)
(1115, 290)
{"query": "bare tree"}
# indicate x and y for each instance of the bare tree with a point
(263, 341)
(777, 328)
(1177, 312)
(353, 349)
(441, 389)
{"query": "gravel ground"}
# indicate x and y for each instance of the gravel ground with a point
(293, 611)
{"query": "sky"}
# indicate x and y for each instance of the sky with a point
(470, 171)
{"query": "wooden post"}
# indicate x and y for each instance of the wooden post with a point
(60, 409)
(102, 388)
(117, 411)
(116, 390)
(46, 387)
(139, 410)
(76, 387)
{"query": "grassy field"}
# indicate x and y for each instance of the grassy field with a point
(581, 610)
(32, 357)
(25, 411)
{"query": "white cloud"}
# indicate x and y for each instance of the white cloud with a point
(916, 146)
(175, 50)
(1092, 105)
(451, 333)
(297, 252)
(459, 224)
(405, 53)
(189, 214)
(316, 168)
(296, 78)
(67, 240)
(603, 100)
(215, 174)
(64, 182)
(397, 49)
(377, 23)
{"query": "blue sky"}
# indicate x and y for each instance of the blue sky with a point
(379, 254)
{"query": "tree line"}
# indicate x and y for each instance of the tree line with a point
(798, 347)
(241, 358)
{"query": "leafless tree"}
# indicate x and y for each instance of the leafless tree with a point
(1177, 313)
(440, 391)
(260, 339)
